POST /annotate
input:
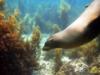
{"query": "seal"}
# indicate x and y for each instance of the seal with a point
(81, 31)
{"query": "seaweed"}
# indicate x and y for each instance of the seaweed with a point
(17, 57)
(64, 7)
(36, 37)
(58, 62)
(56, 28)
(66, 69)
(89, 51)
(2, 5)
(94, 69)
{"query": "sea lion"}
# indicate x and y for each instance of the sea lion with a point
(81, 31)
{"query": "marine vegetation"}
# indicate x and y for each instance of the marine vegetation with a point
(94, 69)
(85, 60)
(35, 40)
(2, 4)
(21, 42)
(56, 28)
(58, 62)
(17, 57)
(88, 50)
(64, 7)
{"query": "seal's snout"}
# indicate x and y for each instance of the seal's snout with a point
(46, 48)
(48, 44)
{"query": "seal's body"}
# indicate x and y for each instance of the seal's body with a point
(83, 30)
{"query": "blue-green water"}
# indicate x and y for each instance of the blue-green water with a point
(46, 13)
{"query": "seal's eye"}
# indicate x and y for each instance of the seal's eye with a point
(49, 42)
(51, 39)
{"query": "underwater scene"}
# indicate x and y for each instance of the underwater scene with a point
(49, 37)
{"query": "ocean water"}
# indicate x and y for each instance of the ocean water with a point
(50, 16)
(42, 12)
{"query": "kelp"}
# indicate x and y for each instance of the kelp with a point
(35, 40)
(64, 7)
(16, 56)
(2, 5)
(91, 57)
(56, 28)
(58, 62)
(89, 51)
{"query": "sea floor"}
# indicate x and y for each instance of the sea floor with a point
(47, 66)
